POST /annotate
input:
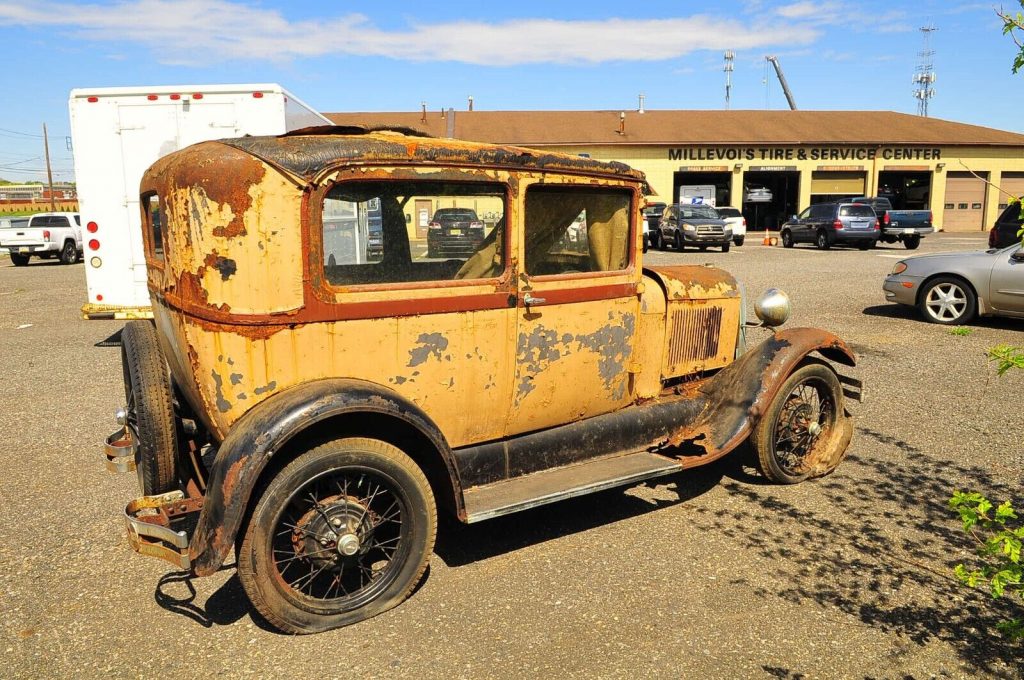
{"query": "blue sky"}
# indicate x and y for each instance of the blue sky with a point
(385, 55)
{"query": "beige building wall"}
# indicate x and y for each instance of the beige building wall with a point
(658, 164)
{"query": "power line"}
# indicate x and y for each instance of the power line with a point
(23, 134)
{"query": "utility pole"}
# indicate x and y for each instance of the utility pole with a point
(925, 76)
(49, 175)
(729, 56)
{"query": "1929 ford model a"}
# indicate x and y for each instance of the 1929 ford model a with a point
(307, 396)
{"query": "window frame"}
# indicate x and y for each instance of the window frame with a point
(334, 293)
(152, 257)
(632, 213)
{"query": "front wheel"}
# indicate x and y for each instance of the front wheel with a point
(738, 240)
(948, 301)
(805, 431)
(787, 238)
(679, 242)
(725, 247)
(19, 260)
(342, 533)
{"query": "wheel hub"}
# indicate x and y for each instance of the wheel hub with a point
(334, 529)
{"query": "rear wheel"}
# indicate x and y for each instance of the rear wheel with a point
(69, 253)
(801, 433)
(149, 408)
(822, 241)
(342, 533)
(787, 238)
(738, 240)
(911, 242)
(19, 260)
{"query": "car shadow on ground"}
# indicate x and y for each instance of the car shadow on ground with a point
(897, 311)
(886, 556)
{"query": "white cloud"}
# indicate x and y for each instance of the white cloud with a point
(196, 31)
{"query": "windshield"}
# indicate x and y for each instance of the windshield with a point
(701, 212)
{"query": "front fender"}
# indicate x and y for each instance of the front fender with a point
(264, 430)
(738, 395)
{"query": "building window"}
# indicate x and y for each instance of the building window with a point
(961, 206)
(948, 206)
(975, 206)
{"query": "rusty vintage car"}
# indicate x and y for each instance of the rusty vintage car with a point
(310, 403)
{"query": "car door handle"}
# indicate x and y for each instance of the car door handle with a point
(529, 300)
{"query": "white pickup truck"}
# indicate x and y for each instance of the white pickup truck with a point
(47, 235)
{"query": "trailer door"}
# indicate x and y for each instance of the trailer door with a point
(148, 132)
(201, 121)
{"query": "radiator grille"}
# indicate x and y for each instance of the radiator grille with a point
(696, 333)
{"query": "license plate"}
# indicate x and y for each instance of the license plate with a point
(24, 250)
(455, 232)
(908, 231)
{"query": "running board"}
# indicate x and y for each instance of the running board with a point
(540, 488)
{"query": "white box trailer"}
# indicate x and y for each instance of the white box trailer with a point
(118, 132)
(697, 193)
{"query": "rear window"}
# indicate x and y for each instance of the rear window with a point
(858, 210)
(728, 212)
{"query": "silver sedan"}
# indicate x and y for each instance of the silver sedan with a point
(952, 288)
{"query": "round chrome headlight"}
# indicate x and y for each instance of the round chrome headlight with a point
(773, 307)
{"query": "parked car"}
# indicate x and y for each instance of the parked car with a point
(47, 235)
(906, 226)
(691, 225)
(651, 215)
(952, 288)
(454, 232)
(734, 220)
(13, 222)
(350, 403)
(1006, 230)
(828, 224)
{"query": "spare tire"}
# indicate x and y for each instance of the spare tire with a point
(149, 407)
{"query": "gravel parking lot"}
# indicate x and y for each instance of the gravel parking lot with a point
(710, 573)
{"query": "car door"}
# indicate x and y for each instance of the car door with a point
(1006, 287)
(577, 305)
(799, 226)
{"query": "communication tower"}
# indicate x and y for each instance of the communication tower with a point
(729, 56)
(924, 79)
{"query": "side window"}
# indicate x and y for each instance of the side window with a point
(822, 211)
(59, 222)
(370, 235)
(570, 230)
(154, 225)
(78, 220)
(1011, 214)
(805, 215)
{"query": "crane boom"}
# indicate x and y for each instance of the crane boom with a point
(782, 80)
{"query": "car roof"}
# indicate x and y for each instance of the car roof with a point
(311, 151)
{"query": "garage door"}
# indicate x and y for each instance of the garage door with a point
(964, 207)
(1011, 183)
(849, 183)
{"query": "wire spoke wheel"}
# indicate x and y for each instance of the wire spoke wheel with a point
(340, 537)
(798, 436)
(343, 532)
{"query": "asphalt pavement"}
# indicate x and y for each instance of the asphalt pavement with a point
(711, 573)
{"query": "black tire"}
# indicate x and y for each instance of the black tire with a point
(947, 300)
(864, 246)
(821, 240)
(19, 260)
(69, 253)
(725, 247)
(320, 491)
(703, 249)
(911, 242)
(662, 243)
(788, 452)
(679, 242)
(787, 238)
(738, 240)
(646, 244)
(150, 408)
(889, 239)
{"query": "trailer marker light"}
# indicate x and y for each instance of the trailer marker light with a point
(99, 297)
(197, 95)
(96, 262)
(152, 97)
(175, 97)
(94, 244)
(257, 95)
(92, 227)
(92, 100)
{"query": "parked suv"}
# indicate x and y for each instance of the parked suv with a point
(1004, 231)
(691, 225)
(311, 418)
(828, 224)
(454, 232)
(735, 220)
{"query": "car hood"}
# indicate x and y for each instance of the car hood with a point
(937, 261)
(701, 221)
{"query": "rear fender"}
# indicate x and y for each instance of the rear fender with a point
(265, 430)
(738, 395)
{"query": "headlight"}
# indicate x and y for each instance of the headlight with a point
(773, 307)
(899, 268)
(688, 227)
